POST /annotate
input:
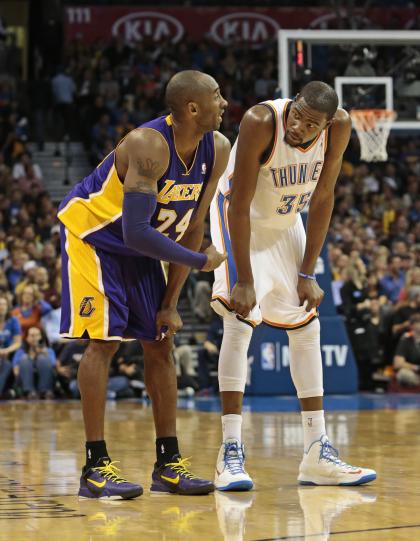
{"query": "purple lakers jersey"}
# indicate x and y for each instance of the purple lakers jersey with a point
(92, 211)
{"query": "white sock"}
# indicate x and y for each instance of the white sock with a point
(313, 423)
(231, 427)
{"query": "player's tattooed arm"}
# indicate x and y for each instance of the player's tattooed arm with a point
(147, 153)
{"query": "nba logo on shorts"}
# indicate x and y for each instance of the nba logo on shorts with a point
(268, 356)
(86, 307)
(203, 168)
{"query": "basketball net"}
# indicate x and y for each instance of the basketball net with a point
(373, 127)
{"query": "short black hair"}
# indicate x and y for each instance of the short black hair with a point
(321, 97)
(183, 87)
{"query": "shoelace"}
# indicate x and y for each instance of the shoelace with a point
(329, 453)
(234, 458)
(110, 472)
(181, 467)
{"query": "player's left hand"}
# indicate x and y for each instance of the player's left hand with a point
(168, 323)
(309, 291)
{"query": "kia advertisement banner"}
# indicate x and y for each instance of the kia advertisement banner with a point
(245, 25)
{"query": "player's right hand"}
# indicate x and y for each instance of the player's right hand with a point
(214, 258)
(243, 298)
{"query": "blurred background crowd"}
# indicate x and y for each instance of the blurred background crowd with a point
(97, 94)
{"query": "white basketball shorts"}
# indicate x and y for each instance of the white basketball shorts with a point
(276, 257)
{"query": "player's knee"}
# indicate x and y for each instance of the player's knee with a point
(158, 352)
(306, 337)
(103, 349)
(233, 361)
(238, 332)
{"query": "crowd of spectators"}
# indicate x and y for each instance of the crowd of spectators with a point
(99, 93)
(374, 250)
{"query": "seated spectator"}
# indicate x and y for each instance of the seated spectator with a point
(407, 355)
(199, 294)
(412, 280)
(15, 272)
(186, 375)
(362, 322)
(393, 280)
(102, 131)
(10, 341)
(124, 125)
(49, 256)
(401, 317)
(208, 356)
(28, 278)
(30, 308)
(68, 364)
(48, 291)
(33, 366)
(354, 290)
(26, 173)
(51, 324)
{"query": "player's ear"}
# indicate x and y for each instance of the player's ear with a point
(192, 107)
(296, 97)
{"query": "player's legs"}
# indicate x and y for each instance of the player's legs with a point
(100, 479)
(280, 308)
(233, 364)
(171, 473)
(320, 464)
(92, 377)
(92, 308)
(161, 385)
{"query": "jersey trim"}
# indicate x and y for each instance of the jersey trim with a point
(83, 216)
(288, 326)
(214, 153)
(225, 263)
(226, 305)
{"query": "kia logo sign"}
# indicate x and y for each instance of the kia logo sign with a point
(250, 27)
(148, 24)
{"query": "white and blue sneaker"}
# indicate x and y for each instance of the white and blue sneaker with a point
(230, 468)
(321, 466)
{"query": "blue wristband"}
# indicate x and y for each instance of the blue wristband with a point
(307, 276)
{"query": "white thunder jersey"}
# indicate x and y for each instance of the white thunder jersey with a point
(285, 184)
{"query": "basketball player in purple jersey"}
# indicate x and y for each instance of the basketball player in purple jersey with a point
(144, 204)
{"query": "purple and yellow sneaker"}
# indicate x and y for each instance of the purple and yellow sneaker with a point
(104, 482)
(175, 478)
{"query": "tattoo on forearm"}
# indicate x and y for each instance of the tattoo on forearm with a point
(140, 186)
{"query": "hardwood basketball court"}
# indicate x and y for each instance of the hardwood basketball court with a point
(42, 450)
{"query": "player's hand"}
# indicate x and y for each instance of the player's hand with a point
(214, 258)
(309, 290)
(168, 323)
(243, 298)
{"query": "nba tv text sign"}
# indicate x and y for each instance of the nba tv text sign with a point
(254, 26)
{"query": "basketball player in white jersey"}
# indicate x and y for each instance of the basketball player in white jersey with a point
(288, 152)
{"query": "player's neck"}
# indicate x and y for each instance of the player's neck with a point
(186, 141)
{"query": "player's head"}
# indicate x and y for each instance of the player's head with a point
(311, 112)
(195, 96)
